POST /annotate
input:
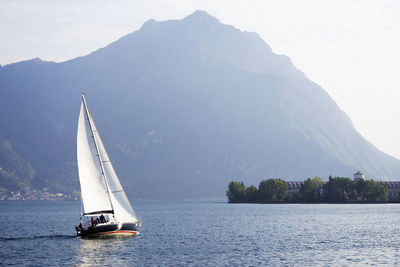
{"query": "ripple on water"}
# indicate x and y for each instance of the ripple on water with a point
(206, 234)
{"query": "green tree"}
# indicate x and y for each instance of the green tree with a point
(251, 194)
(236, 192)
(281, 190)
(272, 190)
(340, 189)
(371, 191)
(382, 192)
(311, 189)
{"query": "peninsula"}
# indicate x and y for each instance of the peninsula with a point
(315, 190)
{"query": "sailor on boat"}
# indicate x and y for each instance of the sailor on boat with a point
(102, 219)
(101, 190)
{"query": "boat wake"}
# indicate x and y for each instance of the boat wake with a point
(38, 237)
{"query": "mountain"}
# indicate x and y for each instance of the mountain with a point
(183, 107)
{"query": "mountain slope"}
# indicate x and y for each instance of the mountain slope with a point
(184, 106)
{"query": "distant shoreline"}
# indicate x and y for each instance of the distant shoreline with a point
(38, 200)
(314, 203)
(213, 202)
(338, 190)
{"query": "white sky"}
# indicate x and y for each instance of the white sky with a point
(350, 48)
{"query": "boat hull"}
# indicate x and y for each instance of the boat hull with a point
(112, 234)
(109, 230)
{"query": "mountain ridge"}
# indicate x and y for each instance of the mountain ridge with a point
(182, 105)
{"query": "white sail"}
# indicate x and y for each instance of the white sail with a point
(123, 210)
(104, 174)
(93, 187)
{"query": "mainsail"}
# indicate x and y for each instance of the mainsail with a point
(100, 188)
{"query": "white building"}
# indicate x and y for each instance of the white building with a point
(358, 176)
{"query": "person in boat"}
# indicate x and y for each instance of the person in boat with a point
(102, 219)
(92, 222)
(78, 228)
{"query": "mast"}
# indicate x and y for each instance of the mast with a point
(97, 150)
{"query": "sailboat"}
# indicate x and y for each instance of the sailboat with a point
(105, 207)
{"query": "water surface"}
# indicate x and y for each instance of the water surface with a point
(206, 234)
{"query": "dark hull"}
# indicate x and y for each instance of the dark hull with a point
(127, 229)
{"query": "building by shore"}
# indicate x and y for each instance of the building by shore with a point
(33, 194)
(393, 187)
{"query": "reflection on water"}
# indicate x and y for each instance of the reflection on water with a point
(101, 251)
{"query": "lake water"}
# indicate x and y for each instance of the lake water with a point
(206, 234)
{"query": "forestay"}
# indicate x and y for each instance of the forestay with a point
(123, 210)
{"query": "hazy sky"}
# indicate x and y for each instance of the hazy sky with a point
(350, 48)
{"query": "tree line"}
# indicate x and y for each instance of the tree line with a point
(312, 190)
